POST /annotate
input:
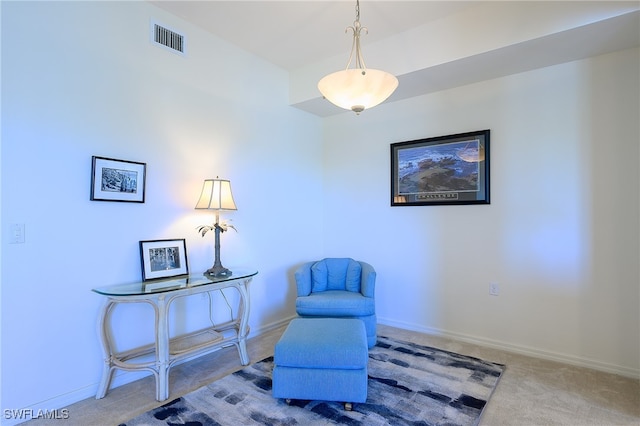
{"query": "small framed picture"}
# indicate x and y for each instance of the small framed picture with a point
(163, 258)
(117, 180)
(442, 170)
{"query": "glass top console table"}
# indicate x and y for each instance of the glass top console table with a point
(160, 294)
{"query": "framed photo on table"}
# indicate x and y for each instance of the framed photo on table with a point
(117, 180)
(441, 170)
(163, 258)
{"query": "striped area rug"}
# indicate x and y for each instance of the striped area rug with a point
(409, 384)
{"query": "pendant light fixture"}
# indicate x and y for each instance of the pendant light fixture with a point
(357, 88)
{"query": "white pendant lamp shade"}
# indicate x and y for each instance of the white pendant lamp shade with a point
(357, 89)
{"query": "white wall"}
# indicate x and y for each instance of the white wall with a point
(82, 79)
(560, 236)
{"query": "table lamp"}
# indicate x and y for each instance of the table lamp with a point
(216, 195)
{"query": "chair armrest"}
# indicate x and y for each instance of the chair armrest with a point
(368, 280)
(303, 279)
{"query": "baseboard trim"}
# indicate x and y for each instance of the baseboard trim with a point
(119, 378)
(272, 326)
(518, 349)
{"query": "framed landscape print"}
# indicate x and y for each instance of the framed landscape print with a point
(442, 170)
(163, 258)
(117, 180)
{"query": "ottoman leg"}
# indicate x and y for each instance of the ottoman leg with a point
(348, 406)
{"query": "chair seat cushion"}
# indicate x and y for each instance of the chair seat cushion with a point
(335, 303)
(323, 343)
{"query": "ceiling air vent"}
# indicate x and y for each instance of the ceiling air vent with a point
(167, 38)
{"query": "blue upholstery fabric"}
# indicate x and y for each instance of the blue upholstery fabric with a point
(338, 287)
(323, 343)
(335, 303)
(322, 359)
(367, 280)
(336, 274)
(319, 277)
(352, 279)
(319, 384)
(303, 279)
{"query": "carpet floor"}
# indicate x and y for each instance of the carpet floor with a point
(409, 384)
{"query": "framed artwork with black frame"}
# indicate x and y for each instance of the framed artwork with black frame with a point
(452, 169)
(117, 180)
(163, 258)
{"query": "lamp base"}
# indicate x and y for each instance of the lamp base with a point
(218, 271)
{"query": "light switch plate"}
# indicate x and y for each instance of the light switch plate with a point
(16, 233)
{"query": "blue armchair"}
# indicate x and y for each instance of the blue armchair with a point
(338, 287)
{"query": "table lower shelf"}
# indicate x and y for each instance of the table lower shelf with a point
(193, 341)
(181, 346)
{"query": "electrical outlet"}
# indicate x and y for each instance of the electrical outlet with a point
(494, 289)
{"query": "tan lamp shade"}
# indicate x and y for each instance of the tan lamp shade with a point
(216, 195)
(357, 89)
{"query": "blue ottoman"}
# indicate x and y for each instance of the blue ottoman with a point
(322, 359)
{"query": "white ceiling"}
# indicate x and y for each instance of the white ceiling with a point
(292, 34)
(296, 33)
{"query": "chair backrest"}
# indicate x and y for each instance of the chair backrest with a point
(336, 274)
